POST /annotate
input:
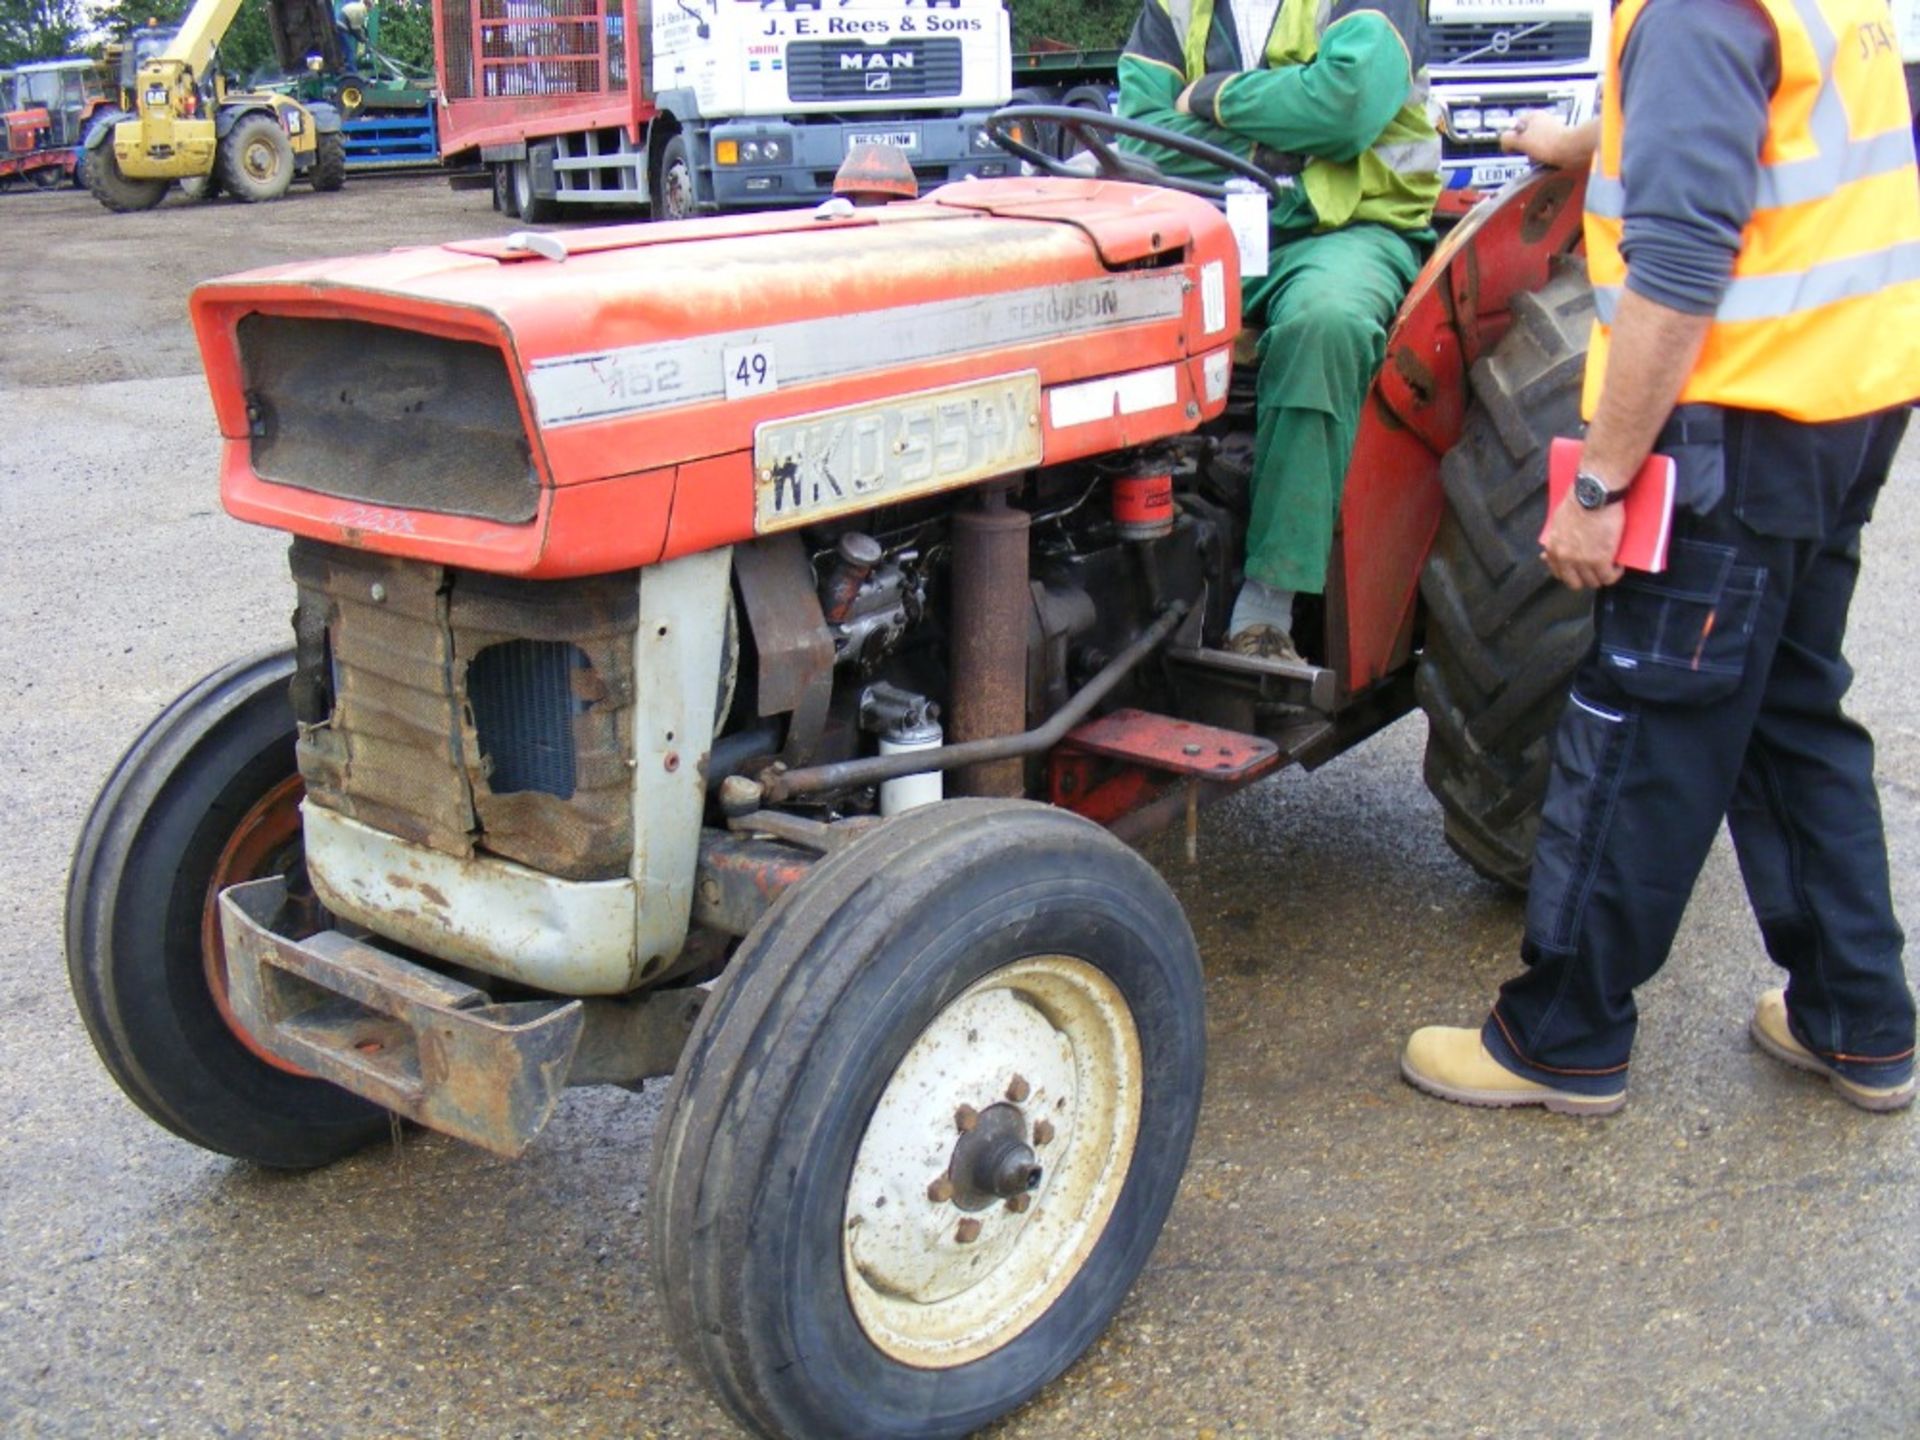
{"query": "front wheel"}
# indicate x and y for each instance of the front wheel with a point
(119, 192)
(673, 192)
(255, 161)
(926, 1135)
(208, 797)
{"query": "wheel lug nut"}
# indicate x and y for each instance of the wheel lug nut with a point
(1018, 1089)
(1042, 1132)
(965, 1118)
(940, 1191)
(967, 1231)
(1018, 1203)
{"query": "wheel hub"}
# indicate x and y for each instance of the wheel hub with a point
(992, 1161)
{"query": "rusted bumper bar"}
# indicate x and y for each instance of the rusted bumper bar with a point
(432, 1049)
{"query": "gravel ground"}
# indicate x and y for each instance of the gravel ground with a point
(1735, 1253)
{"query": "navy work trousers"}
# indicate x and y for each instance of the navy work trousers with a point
(1714, 689)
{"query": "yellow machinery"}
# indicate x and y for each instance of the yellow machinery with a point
(179, 121)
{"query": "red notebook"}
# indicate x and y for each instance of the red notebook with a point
(1649, 505)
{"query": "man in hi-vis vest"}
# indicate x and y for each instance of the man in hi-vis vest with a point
(1753, 234)
(1333, 92)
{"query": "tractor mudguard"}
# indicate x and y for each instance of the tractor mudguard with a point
(326, 118)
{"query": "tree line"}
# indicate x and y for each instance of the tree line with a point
(53, 29)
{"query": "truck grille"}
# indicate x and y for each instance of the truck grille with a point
(387, 416)
(1489, 44)
(467, 712)
(851, 70)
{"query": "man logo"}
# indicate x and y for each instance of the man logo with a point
(876, 59)
(879, 80)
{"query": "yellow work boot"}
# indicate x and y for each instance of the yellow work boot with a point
(1771, 1033)
(1455, 1065)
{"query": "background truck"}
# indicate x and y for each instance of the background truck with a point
(697, 105)
(1491, 59)
(179, 121)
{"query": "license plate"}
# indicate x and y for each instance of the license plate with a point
(907, 140)
(1492, 174)
(837, 462)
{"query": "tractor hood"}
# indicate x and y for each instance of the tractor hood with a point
(581, 401)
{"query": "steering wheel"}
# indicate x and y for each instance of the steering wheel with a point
(1090, 128)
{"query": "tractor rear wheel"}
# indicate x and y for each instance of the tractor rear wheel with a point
(207, 797)
(329, 162)
(1503, 636)
(255, 161)
(48, 177)
(119, 193)
(925, 1135)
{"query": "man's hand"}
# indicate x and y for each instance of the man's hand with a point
(1544, 138)
(1580, 544)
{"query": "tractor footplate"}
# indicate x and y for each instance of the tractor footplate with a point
(398, 1034)
(1179, 747)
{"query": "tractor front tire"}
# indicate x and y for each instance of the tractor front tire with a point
(120, 193)
(925, 1135)
(1503, 636)
(329, 171)
(207, 797)
(255, 162)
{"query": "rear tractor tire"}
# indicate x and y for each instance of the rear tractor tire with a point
(925, 1136)
(329, 171)
(1503, 636)
(208, 797)
(255, 161)
(120, 193)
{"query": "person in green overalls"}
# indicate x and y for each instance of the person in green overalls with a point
(1335, 93)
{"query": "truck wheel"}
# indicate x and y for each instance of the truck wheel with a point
(1503, 636)
(255, 161)
(504, 199)
(119, 193)
(532, 208)
(48, 177)
(207, 797)
(329, 171)
(673, 194)
(925, 1136)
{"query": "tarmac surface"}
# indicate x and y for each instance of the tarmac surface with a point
(1737, 1252)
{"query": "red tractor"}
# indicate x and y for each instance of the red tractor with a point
(742, 649)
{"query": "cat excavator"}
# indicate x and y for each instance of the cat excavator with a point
(179, 119)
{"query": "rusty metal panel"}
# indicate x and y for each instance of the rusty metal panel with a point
(399, 751)
(790, 636)
(1180, 747)
(393, 1032)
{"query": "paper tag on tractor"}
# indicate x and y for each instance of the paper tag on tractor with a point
(1247, 218)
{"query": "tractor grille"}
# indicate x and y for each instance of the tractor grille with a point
(387, 416)
(825, 70)
(470, 713)
(1511, 42)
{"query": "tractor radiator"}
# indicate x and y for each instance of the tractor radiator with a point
(468, 712)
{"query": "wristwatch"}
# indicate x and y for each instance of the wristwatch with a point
(1593, 493)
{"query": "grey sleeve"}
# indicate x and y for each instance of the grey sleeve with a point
(1695, 82)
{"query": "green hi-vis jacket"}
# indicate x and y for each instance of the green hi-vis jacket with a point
(1340, 95)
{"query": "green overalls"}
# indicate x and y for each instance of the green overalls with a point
(1341, 90)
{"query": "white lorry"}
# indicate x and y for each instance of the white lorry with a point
(704, 105)
(1491, 59)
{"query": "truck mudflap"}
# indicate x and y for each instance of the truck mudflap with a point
(425, 1046)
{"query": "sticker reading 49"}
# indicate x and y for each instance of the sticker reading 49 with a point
(836, 462)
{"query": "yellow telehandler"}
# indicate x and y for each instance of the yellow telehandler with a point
(178, 120)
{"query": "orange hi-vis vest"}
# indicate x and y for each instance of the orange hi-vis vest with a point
(1822, 318)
